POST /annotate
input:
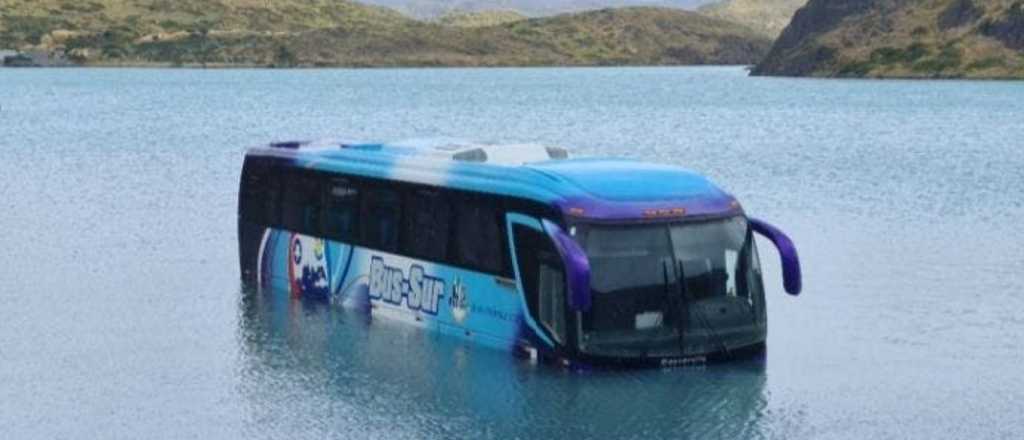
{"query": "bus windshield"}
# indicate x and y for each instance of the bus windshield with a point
(672, 289)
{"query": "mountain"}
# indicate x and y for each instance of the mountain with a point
(433, 9)
(902, 38)
(343, 33)
(767, 16)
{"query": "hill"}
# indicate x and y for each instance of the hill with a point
(30, 18)
(342, 33)
(113, 30)
(769, 17)
(433, 9)
(633, 36)
(480, 19)
(902, 39)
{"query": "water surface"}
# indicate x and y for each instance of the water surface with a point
(121, 314)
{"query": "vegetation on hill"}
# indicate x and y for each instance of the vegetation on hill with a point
(480, 19)
(769, 17)
(902, 38)
(343, 33)
(433, 9)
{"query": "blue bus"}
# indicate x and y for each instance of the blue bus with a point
(581, 262)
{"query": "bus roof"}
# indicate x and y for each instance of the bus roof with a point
(592, 188)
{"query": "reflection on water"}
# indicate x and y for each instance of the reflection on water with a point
(381, 378)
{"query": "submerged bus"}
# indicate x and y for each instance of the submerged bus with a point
(576, 261)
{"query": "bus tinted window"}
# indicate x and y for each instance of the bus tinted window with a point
(301, 204)
(342, 210)
(478, 239)
(426, 225)
(381, 211)
(271, 207)
(260, 192)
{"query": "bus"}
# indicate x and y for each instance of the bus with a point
(580, 262)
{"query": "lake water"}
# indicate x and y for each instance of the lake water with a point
(121, 313)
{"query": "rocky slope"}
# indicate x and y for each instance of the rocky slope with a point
(343, 33)
(767, 16)
(901, 39)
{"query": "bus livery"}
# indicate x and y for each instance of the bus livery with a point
(577, 261)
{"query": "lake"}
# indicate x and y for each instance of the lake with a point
(122, 315)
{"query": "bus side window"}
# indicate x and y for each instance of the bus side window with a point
(271, 204)
(301, 204)
(341, 211)
(478, 241)
(426, 225)
(260, 192)
(380, 214)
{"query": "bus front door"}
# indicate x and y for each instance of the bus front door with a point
(540, 275)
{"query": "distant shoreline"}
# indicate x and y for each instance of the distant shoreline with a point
(949, 78)
(747, 67)
(170, 66)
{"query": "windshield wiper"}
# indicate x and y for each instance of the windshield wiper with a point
(680, 314)
(684, 292)
(665, 297)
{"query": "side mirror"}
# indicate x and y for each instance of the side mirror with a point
(577, 267)
(791, 277)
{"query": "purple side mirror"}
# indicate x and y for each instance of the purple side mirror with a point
(791, 277)
(577, 266)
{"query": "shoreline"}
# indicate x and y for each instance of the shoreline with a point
(910, 78)
(171, 66)
(747, 67)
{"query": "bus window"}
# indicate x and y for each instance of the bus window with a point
(478, 237)
(301, 204)
(271, 207)
(341, 211)
(426, 225)
(380, 213)
(260, 193)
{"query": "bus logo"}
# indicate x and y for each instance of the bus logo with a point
(308, 268)
(459, 301)
(420, 291)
